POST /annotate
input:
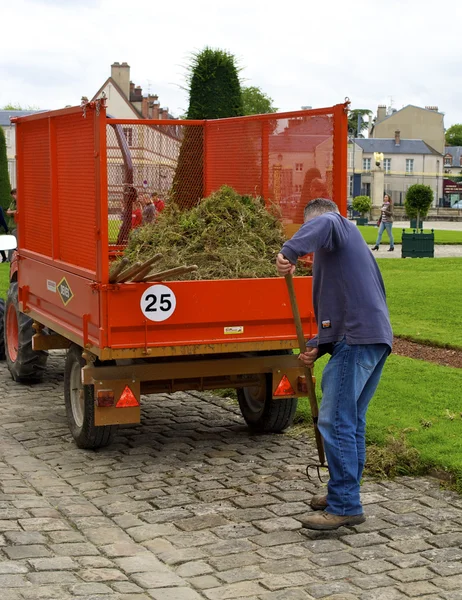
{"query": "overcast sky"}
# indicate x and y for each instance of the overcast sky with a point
(399, 52)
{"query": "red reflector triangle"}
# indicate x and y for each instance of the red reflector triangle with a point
(284, 388)
(127, 398)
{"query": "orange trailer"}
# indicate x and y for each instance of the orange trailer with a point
(76, 170)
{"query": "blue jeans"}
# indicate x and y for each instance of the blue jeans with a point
(388, 227)
(349, 381)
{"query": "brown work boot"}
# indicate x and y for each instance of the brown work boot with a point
(325, 521)
(318, 502)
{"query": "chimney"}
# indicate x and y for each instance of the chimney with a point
(132, 88)
(144, 108)
(165, 114)
(397, 137)
(155, 108)
(120, 73)
(381, 112)
(433, 108)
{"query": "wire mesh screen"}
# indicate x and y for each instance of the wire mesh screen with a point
(300, 163)
(35, 187)
(233, 149)
(289, 161)
(151, 165)
(76, 190)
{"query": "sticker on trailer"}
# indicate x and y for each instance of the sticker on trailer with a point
(51, 286)
(158, 303)
(234, 330)
(64, 291)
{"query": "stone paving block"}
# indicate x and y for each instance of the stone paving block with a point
(233, 561)
(278, 524)
(175, 557)
(157, 579)
(60, 563)
(194, 569)
(447, 540)
(12, 567)
(43, 524)
(444, 569)
(75, 549)
(126, 587)
(371, 582)
(103, 574)
(87, 589)
(140, 563)
(333, 558)
(274, 582)
(289, 565)
(418, 588)
(410, 546)
(13, 581)
(204, 582)
(388, 593)
(408, 561)
(30, 551)
(249, 514)
(94, 562)
(323, 590)
(122, 549)
(143, 533)
(180, 593)
(248, 573)
(52, 577)
(370, 567)
(204, 522)
(234, 590)
(291, 594)
(408, 575)
(276, 538)
(442, 554)
(363, 539)
(195, 538)
(453, 582)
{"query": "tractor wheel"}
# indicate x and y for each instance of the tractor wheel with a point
(2, 329)
(79, 400)
(261, 412)
(23, 363)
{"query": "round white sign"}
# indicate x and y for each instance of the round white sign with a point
(158, 303)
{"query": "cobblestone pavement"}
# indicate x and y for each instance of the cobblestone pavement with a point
(190, 506)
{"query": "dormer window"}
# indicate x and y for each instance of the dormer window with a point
(448, 160)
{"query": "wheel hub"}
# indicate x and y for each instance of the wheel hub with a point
(77, 395)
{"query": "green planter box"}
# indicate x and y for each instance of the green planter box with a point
(418, 245)
(413, 224)
(362, 221)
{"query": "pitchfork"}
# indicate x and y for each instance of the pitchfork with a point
(309, 382)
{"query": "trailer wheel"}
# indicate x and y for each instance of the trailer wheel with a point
(23, 363)
(2, 329)
(263, 414)
(79, 401)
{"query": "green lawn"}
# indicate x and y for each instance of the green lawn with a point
(420, 401)
(442, 236)
(425, 298)
(4, 278)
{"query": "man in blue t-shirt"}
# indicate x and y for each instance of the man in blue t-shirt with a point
(354, 327)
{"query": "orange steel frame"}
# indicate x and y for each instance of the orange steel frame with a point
(106, 318)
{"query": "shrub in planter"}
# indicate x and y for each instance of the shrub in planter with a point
(418, 200)
(363, 205)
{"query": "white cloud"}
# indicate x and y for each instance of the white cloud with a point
(299, 52)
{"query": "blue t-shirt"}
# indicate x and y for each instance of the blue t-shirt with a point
(348, 292)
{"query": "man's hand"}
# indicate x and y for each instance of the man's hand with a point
(284, 266)
(308, 357)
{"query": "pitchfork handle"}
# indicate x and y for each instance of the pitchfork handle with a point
(308, 372)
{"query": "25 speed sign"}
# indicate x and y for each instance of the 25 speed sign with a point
(158, 303)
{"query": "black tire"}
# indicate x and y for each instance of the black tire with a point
(23, 363)
(263, 414)
(2, 329)
(79, 401)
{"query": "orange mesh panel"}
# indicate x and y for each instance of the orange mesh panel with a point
(288, 161)
(75, 148)
(159, 162)
(35, 194)
(234, 156)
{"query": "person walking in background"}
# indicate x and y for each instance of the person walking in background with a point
(159, 204)
(354, 328)
(149, 210)
(386, 223)
(11, 212)
(137, 214)
(5, 227)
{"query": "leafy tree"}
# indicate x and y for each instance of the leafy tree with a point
(256, 102)
(5, 187)
(418, 200)
(17, 106)
(214, 93)
(454, 135)
(355, 117)
(362, 204)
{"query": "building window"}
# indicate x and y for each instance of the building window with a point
(298, 188)
(350, 156)
(460, 161)
(350, 186)
(299, 166)
(7, 137)
(448, 161)
(367, 164)
(387, 165)
(128, 132)
(409, 166)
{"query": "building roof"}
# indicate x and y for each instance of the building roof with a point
(394, 112)
(388, 146)
(455, 152)
(5, 115)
